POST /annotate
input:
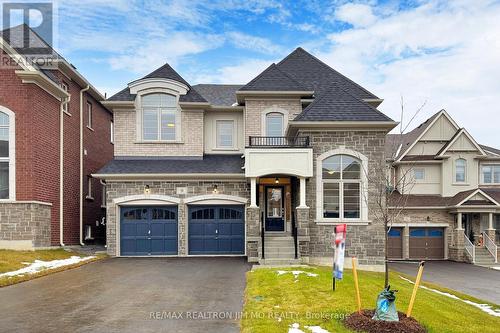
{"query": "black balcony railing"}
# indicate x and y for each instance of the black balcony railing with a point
(279, 141)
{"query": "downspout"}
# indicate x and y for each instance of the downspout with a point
(64, 101)
(81, 163)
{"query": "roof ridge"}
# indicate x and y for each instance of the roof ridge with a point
(300, 49)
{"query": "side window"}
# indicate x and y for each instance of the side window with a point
(274, 124)
(65, 87)
(460, 170)
(89, 115)
(112, 132)
(225, 131)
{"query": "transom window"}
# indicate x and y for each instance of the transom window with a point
(460, 170)
(4, 156)
(341, 178)
(159, 117)
(274, 124)
(225, 130)
(490, 174)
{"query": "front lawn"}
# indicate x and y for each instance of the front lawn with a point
(14, 260)
(274, 302)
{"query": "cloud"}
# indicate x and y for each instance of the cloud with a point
(447, 54)
(358, 15)
(253, 43)
(240, 73)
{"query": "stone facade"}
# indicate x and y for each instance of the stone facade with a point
(364, 240)
(115, 190)
(127, 143)
(25, 225)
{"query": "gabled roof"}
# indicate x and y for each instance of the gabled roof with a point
(455, 137)
(218, 94)
(491, 150)
(273, 79)
(164, 72)
(337, 104)
(318, 76)
(417, 200)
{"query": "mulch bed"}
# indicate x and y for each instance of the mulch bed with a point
(364, 323)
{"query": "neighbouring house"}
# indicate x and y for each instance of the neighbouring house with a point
(54, 133)
(452, 206)
(263, 170)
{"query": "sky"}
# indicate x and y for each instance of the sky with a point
(435, 54)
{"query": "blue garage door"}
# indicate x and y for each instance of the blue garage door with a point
(216, 230)
(148, 231)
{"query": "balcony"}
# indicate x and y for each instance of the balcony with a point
(279, 142)
(278, 155)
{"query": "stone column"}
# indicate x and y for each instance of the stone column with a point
(303, 236)
(456, 252)
(302, 192)
(406, 242)
(182, 225)
(253, 192)
(253, 227)
(491, 230)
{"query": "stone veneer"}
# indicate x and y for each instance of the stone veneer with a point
(116, 190)
(25, 225)
(366, 242)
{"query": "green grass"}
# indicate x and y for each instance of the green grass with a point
(13, 260)
(311, 301)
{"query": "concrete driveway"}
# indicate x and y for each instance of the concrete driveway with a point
(479, 282)
(130, 295)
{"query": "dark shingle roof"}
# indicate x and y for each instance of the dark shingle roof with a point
(337, 104)
(164, 72)
(491, 149)
(218, 94)
(414, 200)
(318, 76)
(210, 164)
(273, 79)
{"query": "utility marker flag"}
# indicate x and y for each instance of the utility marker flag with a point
(340, 235)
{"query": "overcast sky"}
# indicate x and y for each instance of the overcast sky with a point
(444, 53)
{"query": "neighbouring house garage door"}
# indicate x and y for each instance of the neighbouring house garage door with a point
(395, 243)
(426, 243)
(148, 231)
(216, 230)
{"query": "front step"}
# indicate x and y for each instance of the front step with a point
(279, 262)
(484, 257)
(279, 250)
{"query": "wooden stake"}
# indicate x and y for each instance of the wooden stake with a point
(415, 288)
(356, 285)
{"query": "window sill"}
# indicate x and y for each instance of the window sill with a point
(159, 142)
(225, 149)
(337, 222)
(460, 184)
(89, 198)
(489, 184)
(90, 128)
(67, 113)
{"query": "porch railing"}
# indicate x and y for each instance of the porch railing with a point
(470, 248)
(279, 142)
(490, 246)
(262, 234)
(294, 234)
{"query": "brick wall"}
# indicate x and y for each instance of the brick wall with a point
(366, 242)
(121, 189)
(126, 141)
(25, 225)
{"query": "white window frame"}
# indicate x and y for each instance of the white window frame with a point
(89, 115)
(274, 109)
(492, 166)
(65, 87)
(12, 153)
(112, 132)
(455, 181)
(140, 120)
(419, 170)
(89, 188)
(103, 196)
(363, 216)
(233, 134)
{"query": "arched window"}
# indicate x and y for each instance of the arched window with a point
(274, 124)
(460, 170)
(5, 156)
(341, 176)
(159, 117)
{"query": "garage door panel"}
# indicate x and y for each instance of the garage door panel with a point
(395, 243)
(427, 243)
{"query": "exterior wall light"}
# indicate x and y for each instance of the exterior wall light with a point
(215, 190)
(277, 180)
(147, 190)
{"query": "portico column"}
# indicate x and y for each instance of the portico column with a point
(302, 192)
(490, 224)
(253, 192)
(459, 221)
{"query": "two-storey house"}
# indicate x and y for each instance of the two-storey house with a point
(54, 133)
(263, 170)
(451, 194)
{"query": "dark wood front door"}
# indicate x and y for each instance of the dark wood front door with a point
(275, 208)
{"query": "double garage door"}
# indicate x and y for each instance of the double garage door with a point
(212, 230)
(424, 243)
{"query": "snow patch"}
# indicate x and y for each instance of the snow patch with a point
(496, 267)
(40, 265)
(295, 328)
(483, 307)
(297, 273)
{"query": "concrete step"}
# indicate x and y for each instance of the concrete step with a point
(280, 262)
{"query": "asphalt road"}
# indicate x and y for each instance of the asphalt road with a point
(130, 295)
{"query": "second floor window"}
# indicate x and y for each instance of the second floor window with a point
(225, 130)
(490, 174)
(64, 86)
(159, 117)
(89, 115)
(274, 124)
(460, 170)
(4, 155)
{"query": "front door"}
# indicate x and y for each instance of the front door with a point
(275, 209)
